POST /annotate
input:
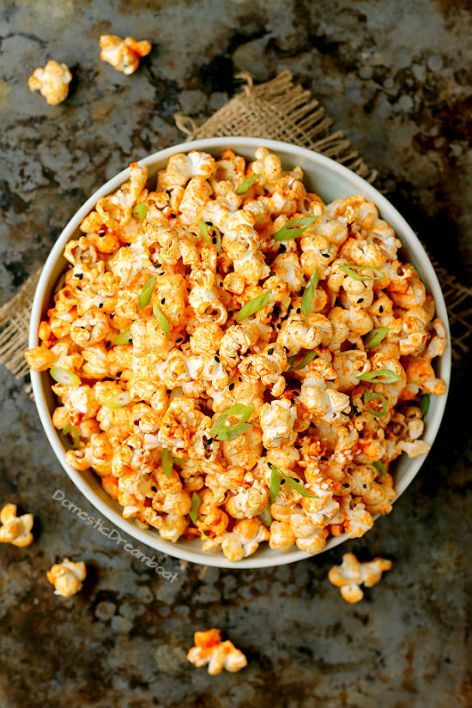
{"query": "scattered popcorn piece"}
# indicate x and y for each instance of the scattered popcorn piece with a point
(351, 574)
(67, 577)
(209, 649)
(123, 54)
(15, 529)
(52, 82)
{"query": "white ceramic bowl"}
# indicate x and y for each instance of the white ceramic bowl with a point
(331, 181)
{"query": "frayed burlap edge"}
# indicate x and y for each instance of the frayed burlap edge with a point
(279, 110)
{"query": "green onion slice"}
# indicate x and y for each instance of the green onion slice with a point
(64, 376)
(265, 517)
(276, 476)
(380, 467)
(162, 319)
(380, 375)
(293, 228)
(296, 363)
(253, 306)
(146, 293)
(376, 336)
(307, 297)
(193, 513)
(274, 485)
(118, 401)
(203, 229)
(246, 184)
(221, 431)
(71, 430)
(123, 337)
(218, 240)
(140, 211)
(372, 397)
(424, 403)
(167, 462)
(355, 272)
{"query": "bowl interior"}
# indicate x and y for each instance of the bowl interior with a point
(331, 181)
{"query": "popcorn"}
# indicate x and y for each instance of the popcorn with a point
(209, 649)
(15, 529)
(194, 351)
(67, 577)
(123, 54)
(351, 574)
(52, 82)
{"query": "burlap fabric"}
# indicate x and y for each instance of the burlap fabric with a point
(281, 110)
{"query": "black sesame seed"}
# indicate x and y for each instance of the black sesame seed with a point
(217, 359)
(102, 232)
(79, 276)
(325, 255)
(100, 305)
(381, 308)
(361, 299)
(231, 386)
(298, 310)
(270, 351)
(213, 240)
(163, 300)
(271, 272)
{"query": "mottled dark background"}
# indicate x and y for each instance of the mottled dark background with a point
(393, 75)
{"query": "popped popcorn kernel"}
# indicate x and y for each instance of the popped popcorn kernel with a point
(351, 574)
(67, 577)
(52, 82)
(209, 649)
(123, 54)
(15, 529)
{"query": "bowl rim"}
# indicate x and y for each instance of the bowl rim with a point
(44, 286)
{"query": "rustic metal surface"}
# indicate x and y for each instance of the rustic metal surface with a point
(393, 75)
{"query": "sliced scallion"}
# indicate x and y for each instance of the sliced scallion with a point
(246, 184)
(146, 293)
(162, 319)
(123, 337)
(356, 272)
(308, 294)
(380, 467)
(167, 462)
(121, 399)
(253, 306)
(375, 337)
(221, 431)
(296, 363)
(381, 376)
(64, 376)
(140, 211)
(203, 229)
(424, 403)
(71, 430)
(293, 228)
(276, 477)
(372, 399)
(193, 513)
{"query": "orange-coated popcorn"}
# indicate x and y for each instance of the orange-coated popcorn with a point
(221, 325)
(123, 54)
(15, 529)
(351, 574)
(52, 82)
(67, 577)
(209, 649)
